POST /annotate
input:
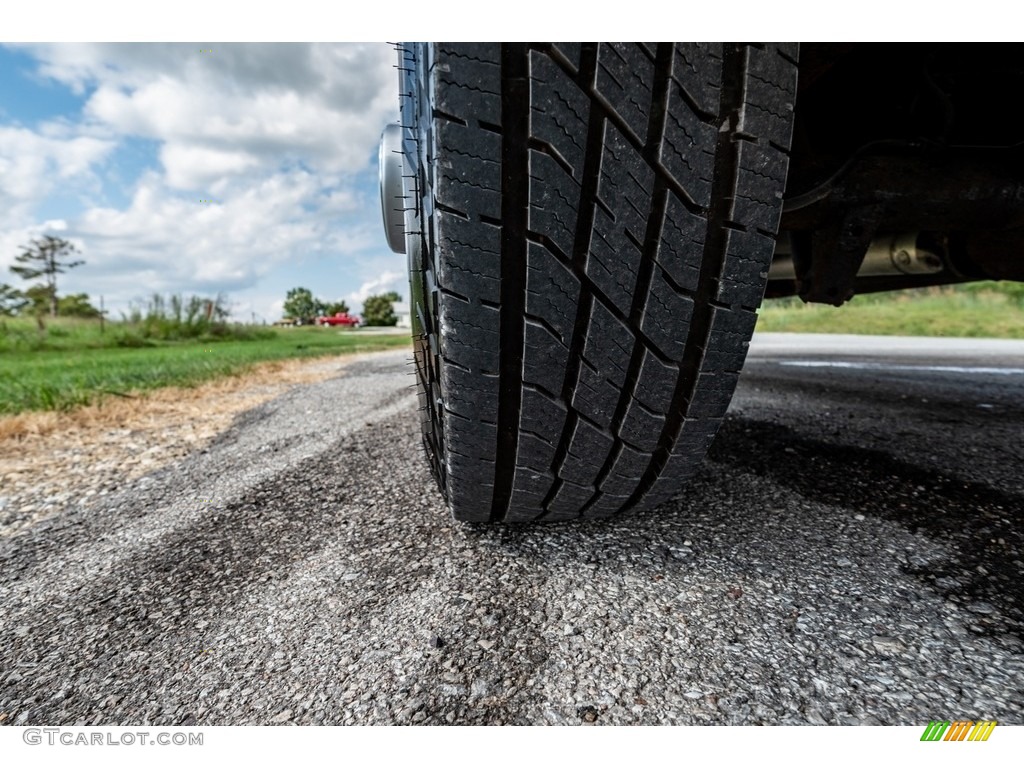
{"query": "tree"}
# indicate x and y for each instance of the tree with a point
(38, 299)
(300, 304)
(47, 257)
(12, 300)
(76, 305)
(378, 310)
(334, 307)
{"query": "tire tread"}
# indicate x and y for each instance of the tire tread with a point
(589, 373)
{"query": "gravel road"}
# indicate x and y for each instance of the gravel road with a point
(850, 553)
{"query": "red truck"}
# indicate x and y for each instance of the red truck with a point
(341, 318)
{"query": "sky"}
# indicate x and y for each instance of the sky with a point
(241, 168)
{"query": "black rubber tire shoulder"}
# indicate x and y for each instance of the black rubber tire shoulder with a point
(592, 228)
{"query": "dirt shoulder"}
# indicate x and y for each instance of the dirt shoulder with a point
(48, 459)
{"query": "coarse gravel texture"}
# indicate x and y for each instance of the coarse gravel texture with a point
(821, 568)
(51, 458)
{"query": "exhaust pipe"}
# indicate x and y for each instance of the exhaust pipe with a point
(901, 254)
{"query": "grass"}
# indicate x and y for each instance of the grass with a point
(978, 310)
(71, 363)
(157, 319)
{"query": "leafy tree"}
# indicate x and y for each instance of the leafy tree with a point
(39, 299)
(76, 305)
(12, 300)
(46, 257)
(334, 307)
(300, 304)
(378, 310)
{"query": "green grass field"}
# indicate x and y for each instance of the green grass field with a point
(975, 310)
(72, 364)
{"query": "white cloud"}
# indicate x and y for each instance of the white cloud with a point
(33, 166)
(386, 281)
(230, 243)
(325, 104)
(191, 167)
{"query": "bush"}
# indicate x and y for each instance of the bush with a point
(131, 340)
(76, 305)
(379, 310)
(177, 318)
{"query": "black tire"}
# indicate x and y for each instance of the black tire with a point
(589, 242)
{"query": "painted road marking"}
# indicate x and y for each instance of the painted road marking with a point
(986, 370)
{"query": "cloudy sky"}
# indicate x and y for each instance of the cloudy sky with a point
(245, 168)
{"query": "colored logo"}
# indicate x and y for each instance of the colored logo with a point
(960, 730)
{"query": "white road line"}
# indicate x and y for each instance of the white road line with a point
(895, 367)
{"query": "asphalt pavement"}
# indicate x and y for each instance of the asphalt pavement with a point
(850, 553)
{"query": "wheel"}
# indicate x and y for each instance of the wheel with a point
(589, 237)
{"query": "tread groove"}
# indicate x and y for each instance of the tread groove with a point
(594, 149)
(515, 154)
(697, 340)
(450, 118)
(610, 113)
(598, 294)
(649, 248)
(453, 211)
(545, 147)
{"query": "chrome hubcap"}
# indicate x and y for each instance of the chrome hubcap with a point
(392, 190)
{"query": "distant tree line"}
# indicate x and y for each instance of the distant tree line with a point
(301, 305)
